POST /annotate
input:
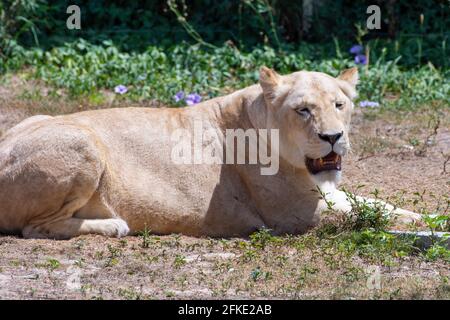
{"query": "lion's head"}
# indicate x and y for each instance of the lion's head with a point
(312, 111)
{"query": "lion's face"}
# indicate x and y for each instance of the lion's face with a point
(312, 111)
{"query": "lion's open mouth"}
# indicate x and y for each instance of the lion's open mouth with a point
(331, 161)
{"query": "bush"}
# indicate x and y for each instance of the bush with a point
(17, 21)
(246, 23)
(158, 73)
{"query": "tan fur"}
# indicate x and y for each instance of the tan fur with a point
(110, 172)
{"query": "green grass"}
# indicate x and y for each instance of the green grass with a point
(84, 69)
(363, 233)
(51, 264)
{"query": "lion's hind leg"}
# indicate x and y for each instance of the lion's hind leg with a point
(77, 217)
(72, 227)
(83, 211)
(48, 174)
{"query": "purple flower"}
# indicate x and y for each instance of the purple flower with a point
(193, 98)
(178, 96)
(120, 89)
(360, 59)
(356, 49)
(369, 104)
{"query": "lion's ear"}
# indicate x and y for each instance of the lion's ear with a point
(350, 75)
(269, 81)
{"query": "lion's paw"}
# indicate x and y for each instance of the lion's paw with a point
(406, 217)
(116, 228)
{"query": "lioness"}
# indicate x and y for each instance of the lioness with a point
(110, 172)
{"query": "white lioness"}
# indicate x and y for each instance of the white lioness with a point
(110, 171)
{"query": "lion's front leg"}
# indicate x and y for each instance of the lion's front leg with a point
(340, 202)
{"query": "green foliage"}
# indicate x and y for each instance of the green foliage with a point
(377, 245)
(17, 20)
(179, 261)
(438, 248)
(113, 257)
(52, 264)
(245, 23)
(18, 17)
(158, 73)
(437, 251)
(436, 222)
(258, 274)
(363, 231)
(145, 45)
(262, 238)
(366, 215)
(146, 237)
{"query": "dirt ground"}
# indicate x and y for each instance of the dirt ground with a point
(405, 155)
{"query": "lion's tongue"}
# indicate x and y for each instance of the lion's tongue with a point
(331, 161)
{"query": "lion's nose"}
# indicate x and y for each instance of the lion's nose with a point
(331, 138)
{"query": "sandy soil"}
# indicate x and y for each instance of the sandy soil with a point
(404, 155)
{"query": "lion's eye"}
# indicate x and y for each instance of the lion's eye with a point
(303, 111)
(339, 104)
